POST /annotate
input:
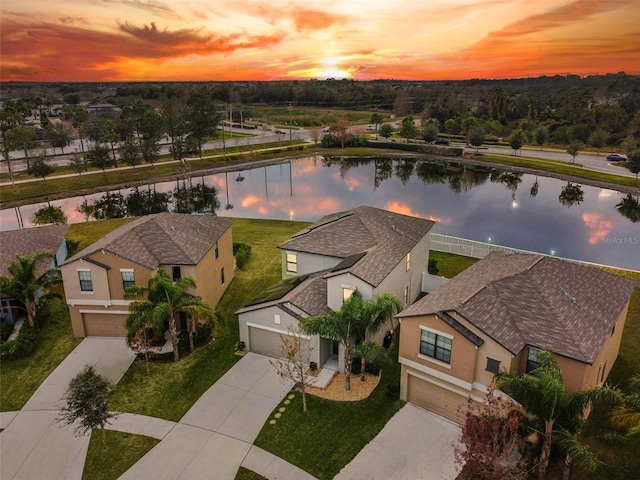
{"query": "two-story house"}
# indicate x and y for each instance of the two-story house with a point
(366, 249)
(198, 246)
(497, 315)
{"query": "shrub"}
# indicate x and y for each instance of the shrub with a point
(433, 266)
(5, 331)
(22, 345)
(371, 367)
(242, 252)
(202, 334)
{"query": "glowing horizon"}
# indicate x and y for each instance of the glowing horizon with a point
(158, 40)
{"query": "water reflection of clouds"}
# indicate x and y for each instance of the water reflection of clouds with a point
(306, 190)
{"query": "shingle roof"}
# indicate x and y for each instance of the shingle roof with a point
(384, 236)
(28, 241)
(162, 239)
(521, 299)
(310, 296)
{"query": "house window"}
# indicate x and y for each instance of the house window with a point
(128, 278)
(406, 295)
(222, 276)
(215, 249)
(532, 359)
(176, 273)
(435, 346)
(292, 262)
(346, 293)
(493, 365)
(408, 261)
(86, 284)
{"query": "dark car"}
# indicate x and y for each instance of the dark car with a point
(280, 132)
(442, 141)
(616, 157)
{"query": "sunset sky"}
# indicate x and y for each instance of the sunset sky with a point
(171, 40)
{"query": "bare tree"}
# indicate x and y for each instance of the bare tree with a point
(295, 364)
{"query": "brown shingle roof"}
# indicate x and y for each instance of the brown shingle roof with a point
(520, 299)
(384, 236)
(162, 239)
(28, 241)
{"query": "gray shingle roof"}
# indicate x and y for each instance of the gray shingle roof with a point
(162, 239)
(520, 299)
(310, 296)
(384, 236)
(28, 241)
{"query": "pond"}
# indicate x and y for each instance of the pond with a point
(517, 210)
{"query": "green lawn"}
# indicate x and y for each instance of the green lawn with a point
(331, 434)
(21, 377)
(122, 450)
(246, 474)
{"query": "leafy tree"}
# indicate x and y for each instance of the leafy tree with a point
(633, 163)
(112, 137)
(430, 133)
(24, 138)
(544, 394)
(79, 122)
(40, 167)
(165, 301)
(516, 140)
(59, 135)
(78, 163)
(386, 130)
(130, 152)
(541, 134)
(629, 207)
(9, 118)
(598, 139)
(98, 156)
(571, 194)
(476, 137)
(376, 119)
(407, 129)
(203, 117)
(49, 215)
(25, 285)
(573, 149)
(490, 446)
(87, 402)
(295, 363)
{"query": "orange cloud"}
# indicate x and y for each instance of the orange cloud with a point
(598, 227)
(249, 201)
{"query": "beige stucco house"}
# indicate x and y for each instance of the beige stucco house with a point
(366, 249)
(497, 315)
(198, 246)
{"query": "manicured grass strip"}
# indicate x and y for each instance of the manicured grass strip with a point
(172, 388)
(21, 377)
(121, 452)
(327, 437)
(450, 264)
(90, 232)
(246, 474)
(559, 167)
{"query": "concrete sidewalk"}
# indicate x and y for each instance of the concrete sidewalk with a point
(34, 445)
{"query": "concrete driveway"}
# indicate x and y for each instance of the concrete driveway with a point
(33, 444)
(414, 444)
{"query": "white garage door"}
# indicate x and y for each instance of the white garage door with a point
(436, 399)
(100, 325)
(267, 342)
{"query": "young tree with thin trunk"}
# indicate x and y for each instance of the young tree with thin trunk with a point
(87, 403)
(40, 167)
(295, 363)
(386, 130)
(377, 120)
(573, 149)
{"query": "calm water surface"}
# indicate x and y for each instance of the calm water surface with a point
(472, 206)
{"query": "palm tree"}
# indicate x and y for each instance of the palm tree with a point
(24, 284)
(339, 326)
(544, 394)
(627, 413)
(165, 301)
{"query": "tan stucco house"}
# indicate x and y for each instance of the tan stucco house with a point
(198, 246)
(366, 249)
(497, 315)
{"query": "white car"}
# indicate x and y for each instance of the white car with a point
(371, 127)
